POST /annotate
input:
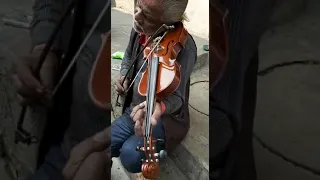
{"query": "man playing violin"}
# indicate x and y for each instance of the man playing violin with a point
(70, 139)
(171, 116)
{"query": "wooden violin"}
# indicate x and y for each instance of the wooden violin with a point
(160, 79)
(219, 41)
(99, 82)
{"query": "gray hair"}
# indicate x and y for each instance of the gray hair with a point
(174, 10)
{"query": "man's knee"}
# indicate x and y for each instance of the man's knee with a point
(130, 158)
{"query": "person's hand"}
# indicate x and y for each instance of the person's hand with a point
(90, 159)
(119, 88)
(138, 115)
(31, 90)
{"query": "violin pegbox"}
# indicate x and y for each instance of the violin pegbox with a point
(150, 167)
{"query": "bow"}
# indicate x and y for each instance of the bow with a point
(21, 135)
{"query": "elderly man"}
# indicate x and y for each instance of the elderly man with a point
(171, 115)
(73, 118)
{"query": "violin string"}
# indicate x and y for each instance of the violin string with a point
(135, 77)
(152, 83)
(144, 47)
(144, 63)
(75, 57)
(164, 26)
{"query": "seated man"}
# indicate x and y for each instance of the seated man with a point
(172, 114)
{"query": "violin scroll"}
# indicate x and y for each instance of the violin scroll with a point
(150, 170)
(150, 167)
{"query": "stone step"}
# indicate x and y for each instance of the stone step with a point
(117, 171)
(192, 155)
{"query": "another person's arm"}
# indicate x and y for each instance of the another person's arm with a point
(30, 89)
(90, 159)
(46, 15)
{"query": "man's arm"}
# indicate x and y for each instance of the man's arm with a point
(46, 15)
(127, 59)
(187, 59)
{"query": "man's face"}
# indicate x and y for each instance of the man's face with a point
(148, 16)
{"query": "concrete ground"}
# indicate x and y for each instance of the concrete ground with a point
(287, 115)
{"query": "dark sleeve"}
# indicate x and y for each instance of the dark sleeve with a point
(127, 59)
(186, 59)
(46, 15)
(227, 98)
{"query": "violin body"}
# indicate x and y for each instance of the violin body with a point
(169, 75)
(99, 81)
(170, 80)
(160, 79)
(219, 41)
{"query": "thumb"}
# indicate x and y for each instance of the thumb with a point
(48, 71)
(27, 78)
(156, 115)
(126, 83)
(80, 152)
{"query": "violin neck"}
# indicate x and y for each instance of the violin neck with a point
(151, 93)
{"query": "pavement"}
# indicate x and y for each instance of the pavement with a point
(287, 113)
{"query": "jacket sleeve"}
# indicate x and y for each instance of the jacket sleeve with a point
(46, 15)
(186, 59)
(127, 59)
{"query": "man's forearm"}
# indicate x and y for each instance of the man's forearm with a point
(127, 59)
(172, 104)
(46, 15)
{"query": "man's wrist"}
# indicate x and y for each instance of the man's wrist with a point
(41, 47)
(163, 107)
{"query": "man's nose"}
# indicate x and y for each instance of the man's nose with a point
(138, 16)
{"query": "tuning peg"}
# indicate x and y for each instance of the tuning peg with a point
(163, 154)
(139, 148)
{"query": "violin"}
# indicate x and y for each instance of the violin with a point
(99, 81)
(219, 41)
(160, 79)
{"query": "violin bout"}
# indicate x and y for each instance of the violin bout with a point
(99, 81)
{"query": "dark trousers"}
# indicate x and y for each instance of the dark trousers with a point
(231, 153)
(53, 165)
(244, 161)
(124, 141)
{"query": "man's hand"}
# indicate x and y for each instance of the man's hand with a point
(119, 88)
(91, 159)
(138, 115)
(31, 90)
